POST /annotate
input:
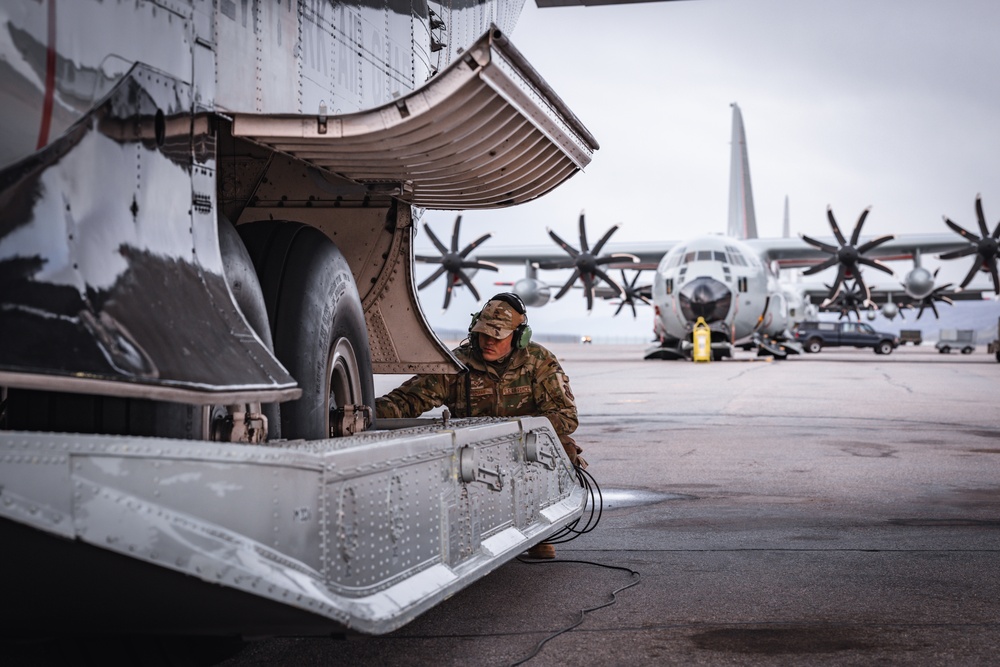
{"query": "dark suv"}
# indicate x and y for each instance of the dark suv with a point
(814, 336)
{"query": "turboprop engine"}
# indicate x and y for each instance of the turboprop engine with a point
(532, 291)
(919, 282)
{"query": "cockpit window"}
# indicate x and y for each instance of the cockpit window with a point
(704, 255)
(719, 256)
(689, 257)
(735, 256)
(675, 258)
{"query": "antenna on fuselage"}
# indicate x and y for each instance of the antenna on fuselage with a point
(742, 219)
(786, 229)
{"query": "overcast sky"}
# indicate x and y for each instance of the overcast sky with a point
(893, 104)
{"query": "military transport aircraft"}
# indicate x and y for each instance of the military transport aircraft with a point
(734, 282)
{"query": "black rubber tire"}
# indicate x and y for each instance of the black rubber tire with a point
(241, 276)
(944, 350)
(317, 323)
(813, 345)
(966, 350)
(884, 347)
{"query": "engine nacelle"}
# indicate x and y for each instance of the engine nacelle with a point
(919, 282)
(890, 310)
(533, 292)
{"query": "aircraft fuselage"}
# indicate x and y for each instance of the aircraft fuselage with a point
(723, 281)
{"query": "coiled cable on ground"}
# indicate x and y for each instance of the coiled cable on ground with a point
(595, 503)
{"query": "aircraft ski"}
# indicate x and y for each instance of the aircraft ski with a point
(363, 532)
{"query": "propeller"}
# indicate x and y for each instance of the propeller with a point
(454, 261)
(849, 256)
(631, 293)
(848, 299)
(984, 247)
(586, 263)
(893, 308)
(936, 295)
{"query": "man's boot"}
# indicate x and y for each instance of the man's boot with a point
(544, 550)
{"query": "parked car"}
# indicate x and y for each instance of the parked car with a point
(814, 336)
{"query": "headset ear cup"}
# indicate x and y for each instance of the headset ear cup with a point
(522, 336)
(474, 337)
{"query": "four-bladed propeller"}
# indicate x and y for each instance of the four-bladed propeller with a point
(984, 247)
(454, 261)
(848, 256)
(586, 263)
(631, 293)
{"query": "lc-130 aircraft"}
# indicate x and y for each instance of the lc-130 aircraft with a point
(205, 254)
(733, 281)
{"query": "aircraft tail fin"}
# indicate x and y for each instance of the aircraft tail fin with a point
(786, 228)
(742, 219)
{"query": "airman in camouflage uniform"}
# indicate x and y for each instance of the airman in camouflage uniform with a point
(505, 379)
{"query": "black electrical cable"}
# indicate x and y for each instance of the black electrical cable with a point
(596, 502)
(583, 612)
(571, 532)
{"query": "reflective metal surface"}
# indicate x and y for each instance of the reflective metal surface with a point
(111, 278)
(484, 133)
(365, 532)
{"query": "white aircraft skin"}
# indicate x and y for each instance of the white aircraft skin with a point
(723, 281)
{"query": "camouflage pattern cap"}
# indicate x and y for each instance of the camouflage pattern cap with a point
(497, 319)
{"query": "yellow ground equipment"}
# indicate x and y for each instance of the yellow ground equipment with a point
(702, 338)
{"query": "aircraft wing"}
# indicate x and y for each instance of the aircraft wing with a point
(790, 253)
(649, 253)
(816, 292)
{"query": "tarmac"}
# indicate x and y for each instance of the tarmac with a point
(841, 508)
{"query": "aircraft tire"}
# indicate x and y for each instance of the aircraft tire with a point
(317, 323)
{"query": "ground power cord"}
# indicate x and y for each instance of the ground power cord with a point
(571, 532)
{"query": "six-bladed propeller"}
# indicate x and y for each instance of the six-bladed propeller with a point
(454, 261)
(984, 247)
(849, 256)
(587, 263)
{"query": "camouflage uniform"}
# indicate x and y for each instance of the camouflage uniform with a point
(528, 381)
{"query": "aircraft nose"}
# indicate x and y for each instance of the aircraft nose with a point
(705, 297)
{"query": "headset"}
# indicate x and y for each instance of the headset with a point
(522, 334)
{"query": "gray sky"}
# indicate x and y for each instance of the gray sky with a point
(893, 104)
